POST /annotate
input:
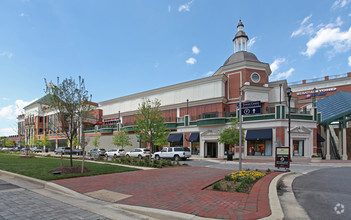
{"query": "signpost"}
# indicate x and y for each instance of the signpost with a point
(282, 158)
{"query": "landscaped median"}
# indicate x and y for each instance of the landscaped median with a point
(41, 167)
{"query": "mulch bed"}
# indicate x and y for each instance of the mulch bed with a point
(29, 156)
(70, 170)
(229, 186)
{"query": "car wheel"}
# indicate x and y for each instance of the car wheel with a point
(157, 157)
(127, 155)
(140, 157)
(176, 157)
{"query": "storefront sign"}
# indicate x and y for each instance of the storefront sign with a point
(282, 157)
(111, 119)
(317, 91)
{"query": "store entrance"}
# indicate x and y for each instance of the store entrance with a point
(212, 150)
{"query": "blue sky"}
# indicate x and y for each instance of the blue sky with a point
(125, 47)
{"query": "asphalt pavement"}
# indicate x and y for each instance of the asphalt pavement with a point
(325, 193)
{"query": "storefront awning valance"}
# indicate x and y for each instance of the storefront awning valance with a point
(255, 135)
(194, 137)
(173, 138)
(320, 138)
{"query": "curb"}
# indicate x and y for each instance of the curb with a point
(41, 183)
(274, 203)
(276, 209)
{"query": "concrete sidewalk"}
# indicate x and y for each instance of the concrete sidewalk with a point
(178, 190)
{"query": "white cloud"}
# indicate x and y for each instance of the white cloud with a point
(209, 73)
(191, 60)
(251, 42)
(282, 75)
(304, 28)
(276, 64)
(7, 131)
(340, 3)
(11, 112)
(185, 7)
(329, 36)
(156, 65)
(279, 75)
(7, 112)
(6, 53)
(349, 60)
(169, 8)
(5, 99)
(195, 50)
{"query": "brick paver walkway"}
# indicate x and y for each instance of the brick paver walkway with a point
(180, 189)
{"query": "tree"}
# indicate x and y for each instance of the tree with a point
(73, 103)
(44, 142)
(96, 140)
(230, 135)
(3, 141)
(22, 143)
(9, 143)
(121, 139)
(33, 141)
(150, 126)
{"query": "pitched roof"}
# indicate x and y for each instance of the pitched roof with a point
(334, 107)
(45, 100)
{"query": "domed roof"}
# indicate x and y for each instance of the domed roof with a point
(241, 56)
(240, 34)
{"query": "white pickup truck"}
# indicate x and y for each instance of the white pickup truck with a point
(175, 153)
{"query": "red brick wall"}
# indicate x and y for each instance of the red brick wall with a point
(196, 110)
(280, 133)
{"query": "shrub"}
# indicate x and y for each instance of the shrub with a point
(216, 186)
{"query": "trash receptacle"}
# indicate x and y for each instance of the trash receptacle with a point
(230, 155)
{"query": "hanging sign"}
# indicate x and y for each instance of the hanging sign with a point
(282, 157)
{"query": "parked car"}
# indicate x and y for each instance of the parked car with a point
(97, 151)
(5, 149)
(139, 152)
(36, 149)
(175, 153)
(77, 151)
(63, 150)
(115, 152)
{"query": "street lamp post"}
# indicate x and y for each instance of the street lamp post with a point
(240, 130)
(314, 97)
(280, 93)
(187, 107)
(289, 93)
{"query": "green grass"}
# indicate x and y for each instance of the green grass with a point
(39, 167)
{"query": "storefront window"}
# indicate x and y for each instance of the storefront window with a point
(298, 148)
(195, 148)
(259, 148)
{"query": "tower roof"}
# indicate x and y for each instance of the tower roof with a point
(241, 56)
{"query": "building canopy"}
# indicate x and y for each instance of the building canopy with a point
(335, 107)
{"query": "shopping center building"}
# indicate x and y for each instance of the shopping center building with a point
(195, 112)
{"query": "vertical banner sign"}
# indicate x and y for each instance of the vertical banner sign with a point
(282, 157)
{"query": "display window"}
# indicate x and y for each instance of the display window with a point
(298, 147)
(259, 148)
